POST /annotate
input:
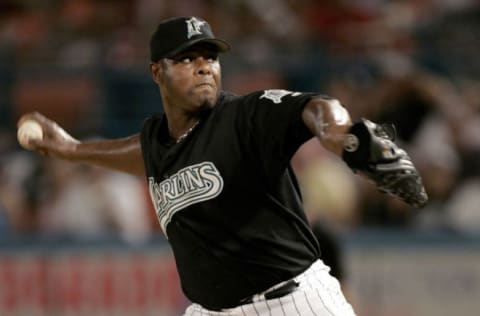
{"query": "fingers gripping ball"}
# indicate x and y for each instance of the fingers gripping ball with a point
(27, 131)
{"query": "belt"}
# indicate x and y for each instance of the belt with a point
(286, 288)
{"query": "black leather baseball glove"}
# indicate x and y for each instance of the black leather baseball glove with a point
(370, 149)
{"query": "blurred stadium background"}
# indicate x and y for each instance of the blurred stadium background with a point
(77, 240)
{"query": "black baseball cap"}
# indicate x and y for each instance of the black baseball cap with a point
(176, 34)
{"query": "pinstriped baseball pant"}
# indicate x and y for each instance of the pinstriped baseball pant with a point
(318, 294)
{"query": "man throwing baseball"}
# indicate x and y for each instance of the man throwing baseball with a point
(217, 166)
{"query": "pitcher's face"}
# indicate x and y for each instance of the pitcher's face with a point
(191, 79)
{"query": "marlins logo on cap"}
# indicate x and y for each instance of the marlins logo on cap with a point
(194, 26)
(175, 35)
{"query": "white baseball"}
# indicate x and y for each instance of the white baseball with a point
(29, 129)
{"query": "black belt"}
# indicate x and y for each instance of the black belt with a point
(287, 288)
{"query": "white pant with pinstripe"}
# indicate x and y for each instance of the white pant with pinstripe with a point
(318, 294)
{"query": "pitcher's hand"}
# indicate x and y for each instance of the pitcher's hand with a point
(56, 142)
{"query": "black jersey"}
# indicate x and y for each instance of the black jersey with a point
(227, 199)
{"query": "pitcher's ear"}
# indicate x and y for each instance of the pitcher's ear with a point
(156, 69)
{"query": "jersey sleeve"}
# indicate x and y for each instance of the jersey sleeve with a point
(276, 126)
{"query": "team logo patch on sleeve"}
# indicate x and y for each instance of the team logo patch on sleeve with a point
(276, 95)
(190, 185)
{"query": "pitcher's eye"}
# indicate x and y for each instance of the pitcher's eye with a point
(212, 57)
(183, 58)
(186, 59)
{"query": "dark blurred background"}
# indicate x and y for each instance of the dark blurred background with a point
(84, 63)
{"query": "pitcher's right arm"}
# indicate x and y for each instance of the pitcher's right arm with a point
(122, 154)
